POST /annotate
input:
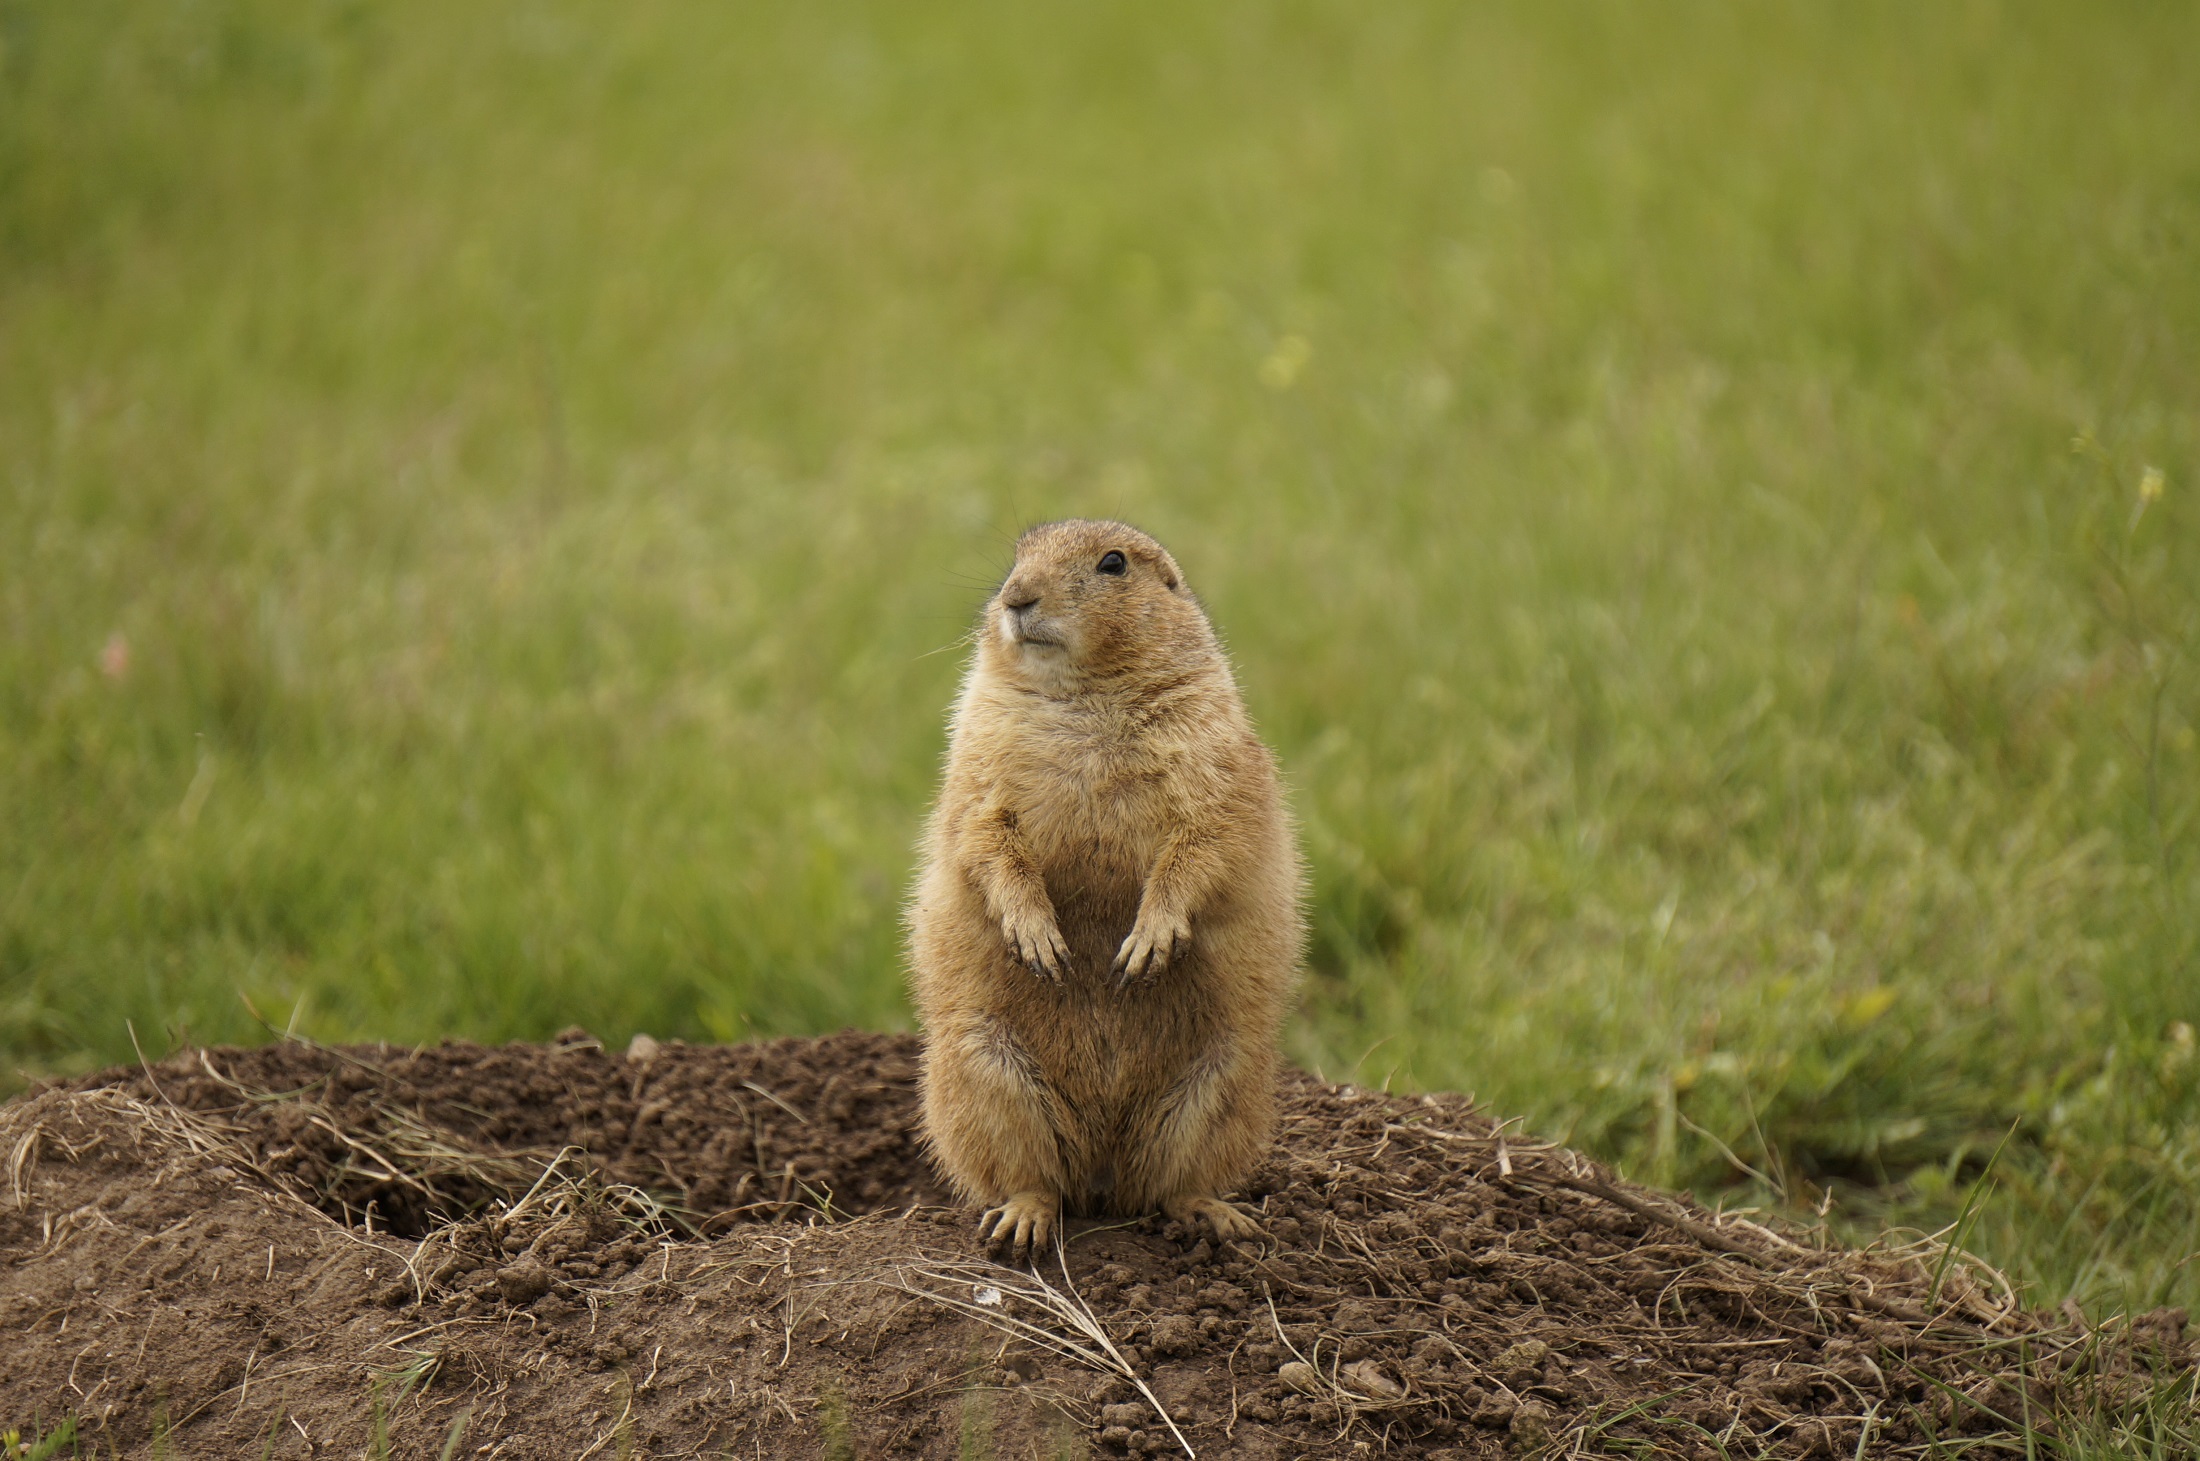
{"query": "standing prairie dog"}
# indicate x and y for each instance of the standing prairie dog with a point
(1106, 932)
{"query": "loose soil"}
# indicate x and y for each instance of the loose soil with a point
(561, 1251)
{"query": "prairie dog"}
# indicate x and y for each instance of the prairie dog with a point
(1106, 933)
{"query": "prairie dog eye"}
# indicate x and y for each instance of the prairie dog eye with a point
(1112, 562)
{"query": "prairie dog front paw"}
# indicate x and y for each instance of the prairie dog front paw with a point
(1229, 1222)
(1038, 942)
(1154, 941)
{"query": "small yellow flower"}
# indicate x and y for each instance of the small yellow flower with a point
(1280, 371)
(2151, 483)
(1867, 1005)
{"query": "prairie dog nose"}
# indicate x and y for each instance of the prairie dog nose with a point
(1018, 597)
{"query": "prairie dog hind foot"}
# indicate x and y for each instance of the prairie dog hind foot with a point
(1229, 1223)
(1024, 1224)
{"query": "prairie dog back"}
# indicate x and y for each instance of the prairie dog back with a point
(1106, 932)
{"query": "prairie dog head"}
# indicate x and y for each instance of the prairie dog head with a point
(1089, 603)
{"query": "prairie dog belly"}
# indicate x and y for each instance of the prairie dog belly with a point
(1095, 905)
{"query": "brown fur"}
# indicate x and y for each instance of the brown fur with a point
(1106, 934)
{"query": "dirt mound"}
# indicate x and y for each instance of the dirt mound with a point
(558, 1251)
(404, 1140)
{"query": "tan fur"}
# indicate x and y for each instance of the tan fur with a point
(1105, 937)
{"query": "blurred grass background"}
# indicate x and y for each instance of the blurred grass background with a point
(1702, 498)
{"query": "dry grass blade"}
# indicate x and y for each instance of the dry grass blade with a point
(1349, 1404)
(1946, 1270)
(430, 1156)
(776, 1101)
(394, 1147)
(22, 1156)
(1086, 1339)
(566, 1186)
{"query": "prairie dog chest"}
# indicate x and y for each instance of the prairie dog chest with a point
(1091, 801)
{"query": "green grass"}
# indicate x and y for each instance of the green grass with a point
(1702, 497)
(39, 1444)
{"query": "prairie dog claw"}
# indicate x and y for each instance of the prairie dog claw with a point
(1229, 1223)
(1153, 943)
(1024, 1224)
(1040, 946)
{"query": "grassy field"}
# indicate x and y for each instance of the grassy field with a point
(1704, 498)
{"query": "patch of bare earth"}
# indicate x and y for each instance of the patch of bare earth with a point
(556, 1251)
